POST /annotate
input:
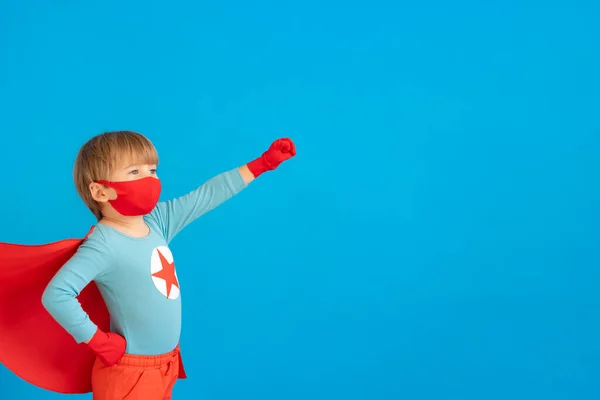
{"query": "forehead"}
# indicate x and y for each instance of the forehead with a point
(131, 162)
(133, 157)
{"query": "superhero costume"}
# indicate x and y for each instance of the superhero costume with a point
(74, 277)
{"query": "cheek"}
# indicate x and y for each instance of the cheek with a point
(111, 193)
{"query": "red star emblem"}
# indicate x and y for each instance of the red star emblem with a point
(167, 273)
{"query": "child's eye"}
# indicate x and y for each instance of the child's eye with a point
(134, 172)
(153, 171)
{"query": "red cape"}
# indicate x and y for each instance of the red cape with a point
(32, 344)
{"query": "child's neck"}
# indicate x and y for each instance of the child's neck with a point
(131, 226)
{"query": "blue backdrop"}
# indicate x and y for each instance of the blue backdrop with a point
(435, 238)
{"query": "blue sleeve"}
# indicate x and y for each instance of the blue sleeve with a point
(91, 261)
(174, 215)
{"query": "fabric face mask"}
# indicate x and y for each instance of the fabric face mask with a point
(138, 197)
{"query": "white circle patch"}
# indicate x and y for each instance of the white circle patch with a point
(164, 276)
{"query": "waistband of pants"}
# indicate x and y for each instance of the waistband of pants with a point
(134, 360)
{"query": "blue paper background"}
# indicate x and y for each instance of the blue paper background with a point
(435, 238)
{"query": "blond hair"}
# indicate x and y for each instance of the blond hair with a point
(100, 155)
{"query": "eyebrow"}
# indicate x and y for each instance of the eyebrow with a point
(136, 165)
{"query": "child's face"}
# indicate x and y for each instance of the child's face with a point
(127, 171)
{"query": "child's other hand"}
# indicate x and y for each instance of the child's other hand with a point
(108, 347)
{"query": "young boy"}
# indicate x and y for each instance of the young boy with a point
(128, 258)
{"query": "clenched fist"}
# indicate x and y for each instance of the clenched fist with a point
(279, 151)
(109, 347)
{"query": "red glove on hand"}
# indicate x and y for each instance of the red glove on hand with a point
(280, 150)
(109, 347)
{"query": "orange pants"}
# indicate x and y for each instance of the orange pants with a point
(137, 377)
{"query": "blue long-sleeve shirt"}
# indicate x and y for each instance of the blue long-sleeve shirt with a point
(136, 276)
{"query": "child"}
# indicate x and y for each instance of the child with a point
(127, 256)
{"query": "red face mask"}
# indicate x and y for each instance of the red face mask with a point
(138, 197)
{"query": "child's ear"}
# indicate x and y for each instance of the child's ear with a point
(101, 193)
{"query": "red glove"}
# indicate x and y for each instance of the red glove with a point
(280, 150)
(109, 347)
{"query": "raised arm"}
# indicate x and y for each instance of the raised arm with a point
(174, 215)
